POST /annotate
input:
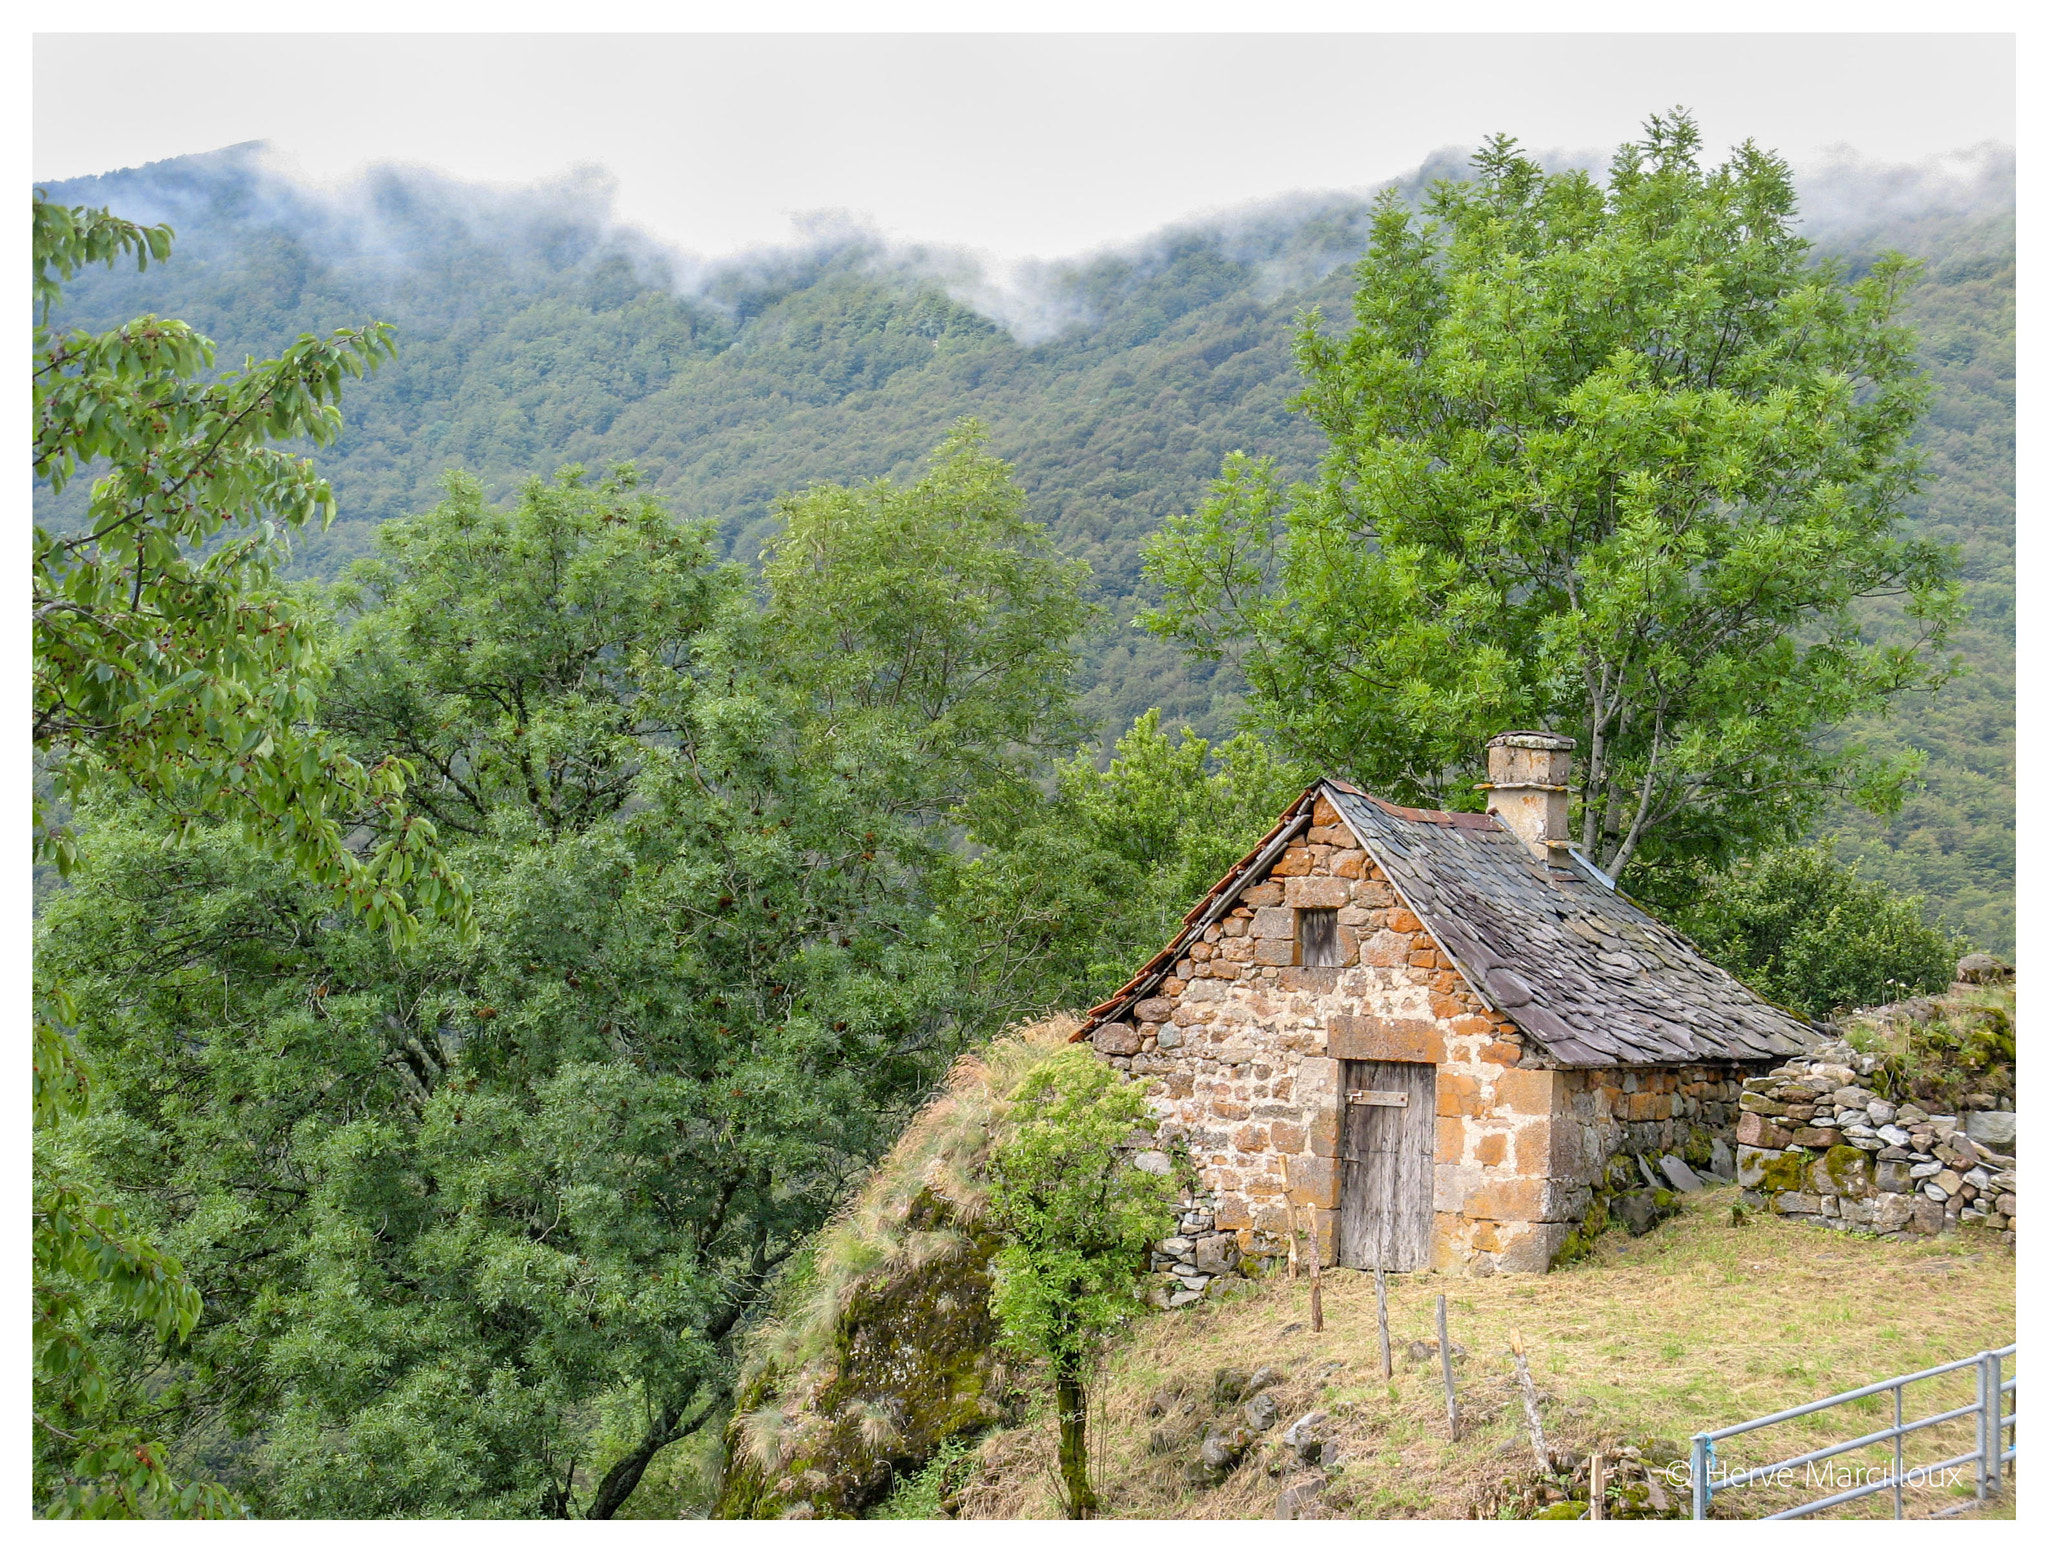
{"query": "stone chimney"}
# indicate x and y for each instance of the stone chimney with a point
(1526, 787)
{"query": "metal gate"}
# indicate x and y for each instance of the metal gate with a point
(1989, 1457)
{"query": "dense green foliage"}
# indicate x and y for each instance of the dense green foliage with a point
(534, 333)
(1076, 1218)
(1805, 931)
(478, 1219)
(1076, 887)
(1611, 460)
(169, 668)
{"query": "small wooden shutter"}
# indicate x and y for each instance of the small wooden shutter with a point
(1387, 1197)
(1318, 932)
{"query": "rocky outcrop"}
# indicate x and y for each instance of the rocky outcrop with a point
(884, 1348)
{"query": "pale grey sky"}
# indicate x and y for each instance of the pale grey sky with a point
(1013, 145)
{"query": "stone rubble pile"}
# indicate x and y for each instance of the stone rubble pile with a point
(1817, 1145)
(1201, 1260)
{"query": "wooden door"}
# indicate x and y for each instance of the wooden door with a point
(1387, 1197)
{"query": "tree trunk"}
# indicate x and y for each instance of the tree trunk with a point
(625, 1474)
(1072, 1400)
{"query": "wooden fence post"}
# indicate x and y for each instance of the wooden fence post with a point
(1315, 1249)
(1596, 1509)
(1443, 1347)
(1379, 1288)
(1315, 1271)
(1293, 1219)
(1529, 1402)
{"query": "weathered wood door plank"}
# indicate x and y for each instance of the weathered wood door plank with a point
(1387, 1196)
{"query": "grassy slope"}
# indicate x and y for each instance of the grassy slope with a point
(1700, 1324)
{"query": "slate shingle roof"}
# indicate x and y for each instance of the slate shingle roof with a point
(1594, 979)
(1590, 978)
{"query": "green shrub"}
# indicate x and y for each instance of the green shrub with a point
(1076, 1218)
(1805, 931)
(928, 1493)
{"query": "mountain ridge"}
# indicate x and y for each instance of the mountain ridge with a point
(535, 331)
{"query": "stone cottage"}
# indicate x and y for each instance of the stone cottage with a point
(1442, 1034)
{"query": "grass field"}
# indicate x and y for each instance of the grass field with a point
(1703, 1323)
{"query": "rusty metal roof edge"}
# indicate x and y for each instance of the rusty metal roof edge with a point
(1220, 896)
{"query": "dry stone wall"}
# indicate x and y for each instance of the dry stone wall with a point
(1816, 1145)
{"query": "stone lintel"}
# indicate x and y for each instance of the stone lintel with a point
(1366, 1038)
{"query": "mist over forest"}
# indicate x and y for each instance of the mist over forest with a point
(535, 330)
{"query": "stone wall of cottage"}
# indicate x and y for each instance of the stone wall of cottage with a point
(1244, 1047)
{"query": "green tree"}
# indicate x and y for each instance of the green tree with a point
(168, 665)
(1071, 890)
(482, 1219)
(1805, 931)
(1619, 461)
(930, 625)
(1076, 1218)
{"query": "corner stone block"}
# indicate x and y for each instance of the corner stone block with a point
(1755, 1131)
(1452, 1247)
(1516, 1199)
(1529, 1091)
(1273, 951)
(1541, 1148)
(1529, 1247)
(1456, 1094)
(1749, 1165)
(1317, 894)
(1326, 1235)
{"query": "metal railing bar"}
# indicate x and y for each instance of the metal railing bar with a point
(1869, 1488)
(1719, 1434)
(1899, 1452)
(1827, 1451)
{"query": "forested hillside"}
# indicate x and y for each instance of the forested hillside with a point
(533, 332)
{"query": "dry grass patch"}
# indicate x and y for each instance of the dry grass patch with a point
(1701, 1324)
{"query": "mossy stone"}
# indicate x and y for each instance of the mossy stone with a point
(1786, 1172)
(1841, 1171)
